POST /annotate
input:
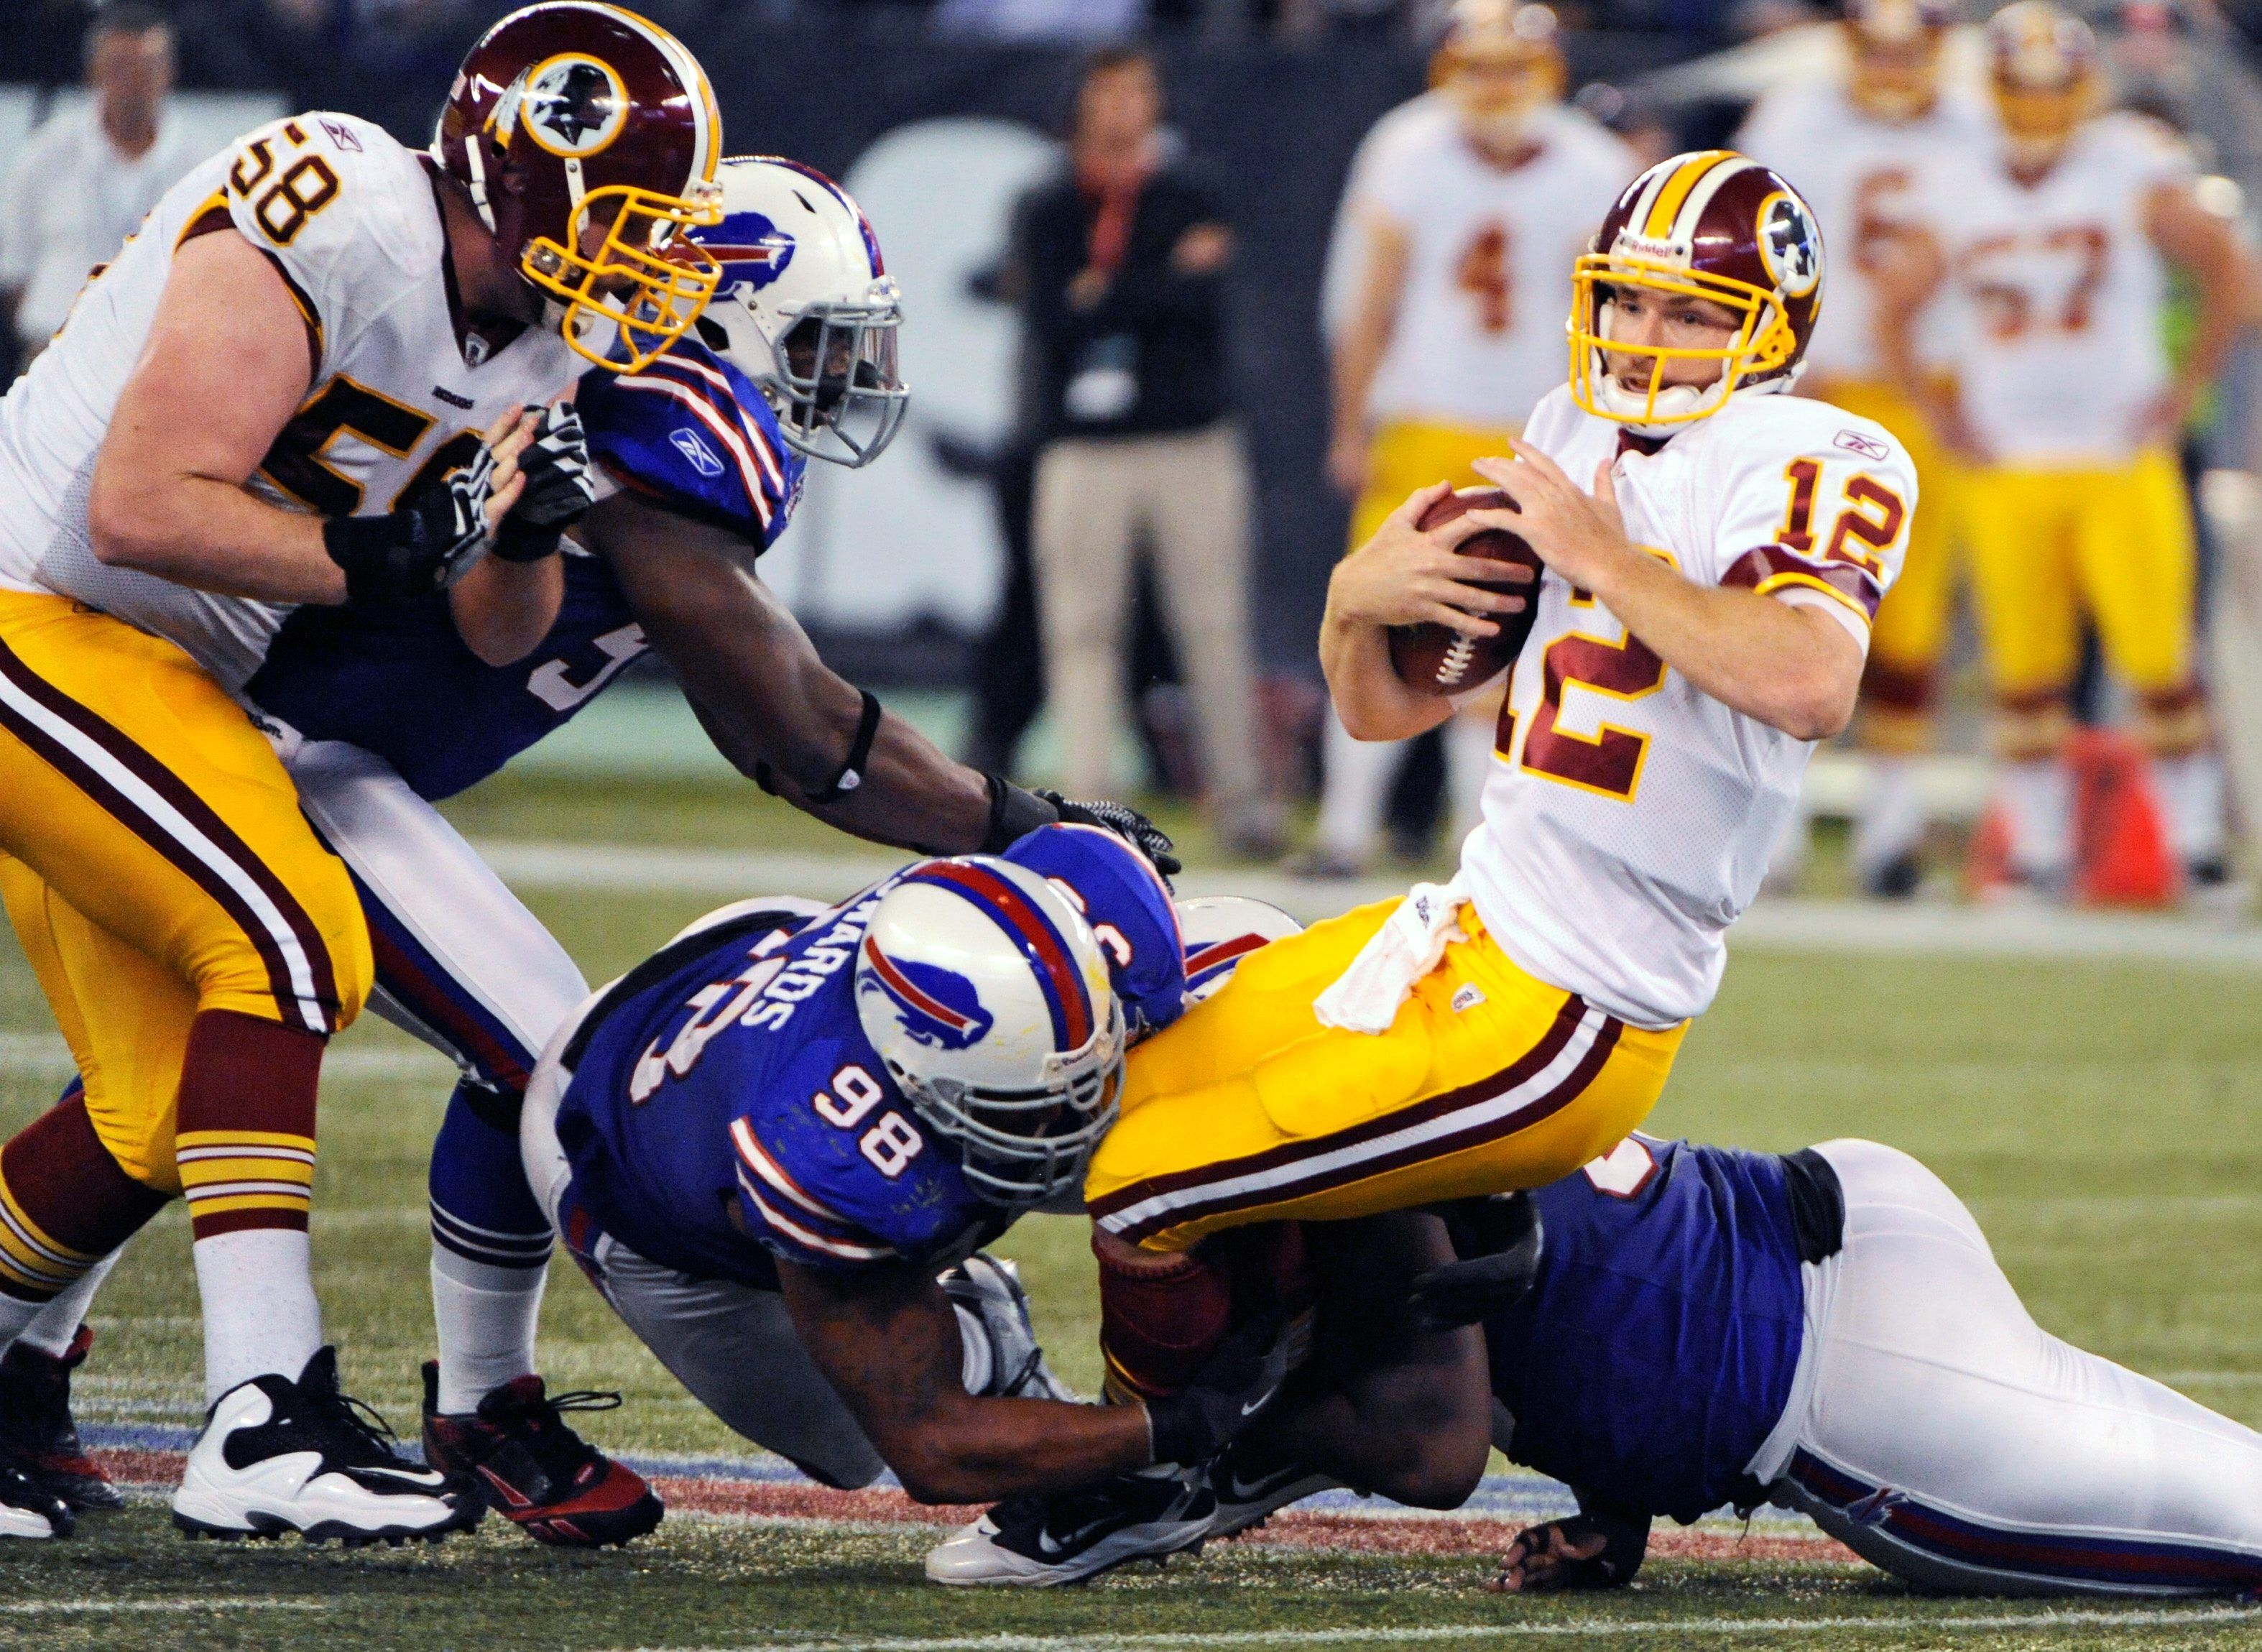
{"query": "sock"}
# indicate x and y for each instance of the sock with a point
(977, 1362)
(490, 1248)
(52, 1331)
(260, 1312)
(2191, 796)
(245, 1145)
(1891, 822)
(65, 1206)
(2038, 802)
(1358, 785)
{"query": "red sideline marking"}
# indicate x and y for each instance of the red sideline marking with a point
(1294, 1528)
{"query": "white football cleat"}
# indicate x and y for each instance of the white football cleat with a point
(279, 1456)
(1037, 1542)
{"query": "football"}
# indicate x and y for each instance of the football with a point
(1438, 659)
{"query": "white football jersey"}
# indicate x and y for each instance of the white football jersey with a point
(1479, 336)
(1861, 178)
(349, 217)
(1629, 817)
(2058, 295)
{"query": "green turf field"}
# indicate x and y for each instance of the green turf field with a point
(2102, 1120)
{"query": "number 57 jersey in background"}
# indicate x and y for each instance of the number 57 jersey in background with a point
(400, 385)
(1629, 817)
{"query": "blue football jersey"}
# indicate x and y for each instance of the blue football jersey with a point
(1129, 906)
(732, 1110)
(1654, 1354)
(689, 432)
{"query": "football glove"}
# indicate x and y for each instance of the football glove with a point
(1500, 1239)
(1231, 1390)
(425, 545)
(1624, 1540)
(560, 487)
(1126, 823)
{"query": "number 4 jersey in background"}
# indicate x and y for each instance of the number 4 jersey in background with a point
(1630, 816)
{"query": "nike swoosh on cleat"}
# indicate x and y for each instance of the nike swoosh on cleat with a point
(1046, 1545)
(1260, 1401)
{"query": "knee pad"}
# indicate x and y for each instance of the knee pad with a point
(1163, 1314)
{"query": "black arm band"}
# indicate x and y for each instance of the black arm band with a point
(1178, 1432)
(1013, 814)
(518, 540)
(860, 751)
(385, 559)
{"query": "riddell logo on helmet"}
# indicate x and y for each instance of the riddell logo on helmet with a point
(1632, 246)
(573, 105)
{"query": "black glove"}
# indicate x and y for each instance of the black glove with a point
(1126, 823)
(560, 487)
(1625, 1539)
(1500, 1239)
(425, 545)
(1229, 1392)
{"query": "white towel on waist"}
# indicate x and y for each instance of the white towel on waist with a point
(1364, 997)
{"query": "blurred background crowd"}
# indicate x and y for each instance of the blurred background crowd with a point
(1152, 302)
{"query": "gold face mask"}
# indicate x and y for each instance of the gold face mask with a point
(645, 277)
(1763, 340)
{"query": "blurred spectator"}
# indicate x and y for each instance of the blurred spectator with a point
(88, 176)
(1043, 20)
(1119, 264)
(1463, 212)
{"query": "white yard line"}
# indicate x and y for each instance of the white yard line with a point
(187, 1603)
(1798, 926)
(1577, 1627)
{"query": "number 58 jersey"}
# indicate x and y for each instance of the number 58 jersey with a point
(1629, 816)
(400, 388)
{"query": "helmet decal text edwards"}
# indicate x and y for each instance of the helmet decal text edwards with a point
(752, 251)
(573, 105)
(1790, 245)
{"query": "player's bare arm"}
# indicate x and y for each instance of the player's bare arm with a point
(772, 706)
(1360, 346)
(887, 1340)
(2205, 248)
(1793, 668)
(1387, 1405)
(1403, 576)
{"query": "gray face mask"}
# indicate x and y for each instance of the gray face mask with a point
(834, 384)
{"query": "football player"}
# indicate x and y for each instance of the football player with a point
(274, 398)
(1462, 217)
(379, 712)
(1702, 622)
(2053, 256)
(1858, 145)
(1828, 1330)
(763, 1144)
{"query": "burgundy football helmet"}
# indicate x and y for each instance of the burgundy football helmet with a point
(1711, 225)
(571, 118)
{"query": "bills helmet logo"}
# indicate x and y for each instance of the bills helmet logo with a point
(1789, 245)
(752, 251)
(938, 1008)
(573, 105)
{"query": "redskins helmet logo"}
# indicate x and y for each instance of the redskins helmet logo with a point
(1789, 245)
(573, 105)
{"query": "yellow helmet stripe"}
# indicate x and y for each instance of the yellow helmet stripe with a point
(1667, 208)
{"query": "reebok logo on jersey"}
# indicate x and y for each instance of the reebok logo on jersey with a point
(342, 135)
(686, 440)
(1867, 446)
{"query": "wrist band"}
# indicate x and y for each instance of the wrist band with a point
(1013, 814)
(518, 540)
(859, 750)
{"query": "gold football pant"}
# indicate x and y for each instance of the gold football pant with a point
(1249, 1110)
(1909, 639)
(1408, 453)
(156, 868)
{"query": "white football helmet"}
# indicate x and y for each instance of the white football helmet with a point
(805, 307)
(1220, 931)
(987, 996)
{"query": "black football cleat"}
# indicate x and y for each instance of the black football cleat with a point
(520, 1457)
(36, 1430)
(1038, 1542)
(1250, 1488)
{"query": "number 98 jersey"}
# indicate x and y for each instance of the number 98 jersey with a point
(1629, 816)
(350, 219)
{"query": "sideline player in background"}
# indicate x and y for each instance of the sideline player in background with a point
(1858, 146)
(1463, 212)
(1701, 624)
(273, 398)
(2053, 256)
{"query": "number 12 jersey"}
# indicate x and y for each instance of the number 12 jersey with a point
(1629, 815)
